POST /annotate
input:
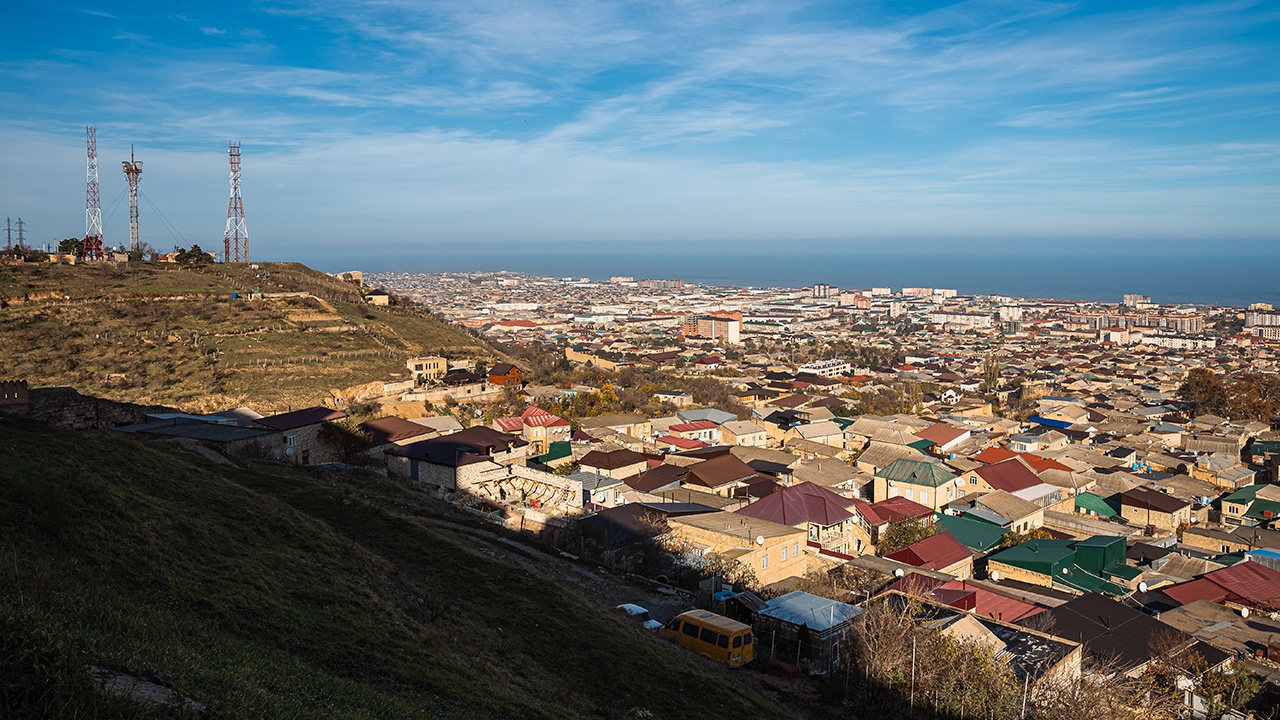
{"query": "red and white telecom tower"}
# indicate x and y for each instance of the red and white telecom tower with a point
(92, 249)
(236, 240)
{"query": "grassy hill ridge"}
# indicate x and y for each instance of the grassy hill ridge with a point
(266, 591)
(162, 334)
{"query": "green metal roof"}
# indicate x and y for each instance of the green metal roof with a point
(1042, 556)
(555, 451)
(1264, 510)
(1083, 581)
(916, 472)
(1122, 571)
(1095, 504)
(1230, 558)
(1246, 494)
(922, 445)
(1264, 446)
(976, 535)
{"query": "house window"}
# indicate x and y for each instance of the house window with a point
(973, 480)
(784, 553)
(924, 497)
(795, 548)
(1225, 549)
(764, 562)
(291, 440)
(911, 494)
(857, 545)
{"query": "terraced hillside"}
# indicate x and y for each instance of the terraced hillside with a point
(265, 591)
(162, 334)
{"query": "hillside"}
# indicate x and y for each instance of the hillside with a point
(266, 591)
(162, 334)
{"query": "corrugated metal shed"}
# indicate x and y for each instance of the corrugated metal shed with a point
(821, 615)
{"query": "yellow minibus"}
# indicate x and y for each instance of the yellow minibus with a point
(714, 636)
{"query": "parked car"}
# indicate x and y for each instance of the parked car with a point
(640, 615)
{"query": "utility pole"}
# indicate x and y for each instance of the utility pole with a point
(22, 234)
(235, 245)
(8, 234)
(133, 175)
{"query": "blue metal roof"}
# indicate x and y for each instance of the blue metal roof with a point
(1060, 424)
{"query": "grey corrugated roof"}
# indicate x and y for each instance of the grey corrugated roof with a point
(819, 613)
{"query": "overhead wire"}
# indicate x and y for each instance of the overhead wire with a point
(174, 232)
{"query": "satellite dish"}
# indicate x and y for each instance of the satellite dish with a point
(1244, 612)
(995, 575)
(759, 539)
(1142, 587)
(959, 482)
(898, 573)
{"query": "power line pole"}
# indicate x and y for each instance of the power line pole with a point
(133, 175)
(8, 234)
(22, 234)
(235, 245)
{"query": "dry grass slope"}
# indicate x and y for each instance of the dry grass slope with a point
(172, 335)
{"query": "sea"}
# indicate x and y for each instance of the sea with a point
(1177, 275)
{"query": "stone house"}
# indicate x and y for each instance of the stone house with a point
(743, 433)
(619, 464)
(454, 462)
(825, 516)
(772, 551)
(1145, 507)
(301, 431)
(922, 481)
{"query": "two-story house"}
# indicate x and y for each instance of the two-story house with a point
(928, 483)
(825, 516)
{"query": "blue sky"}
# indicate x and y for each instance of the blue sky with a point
(369, 127)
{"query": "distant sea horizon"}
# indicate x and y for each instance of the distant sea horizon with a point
(1234, 277)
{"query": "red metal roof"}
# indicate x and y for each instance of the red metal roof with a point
(940, 433)
(897, 509)
(935, 552)
(963, 595)
(800, 504)
(1247, 583)
(1010, 475)
(509, 424)
(994, 455)
(535, 416)
(684, 443)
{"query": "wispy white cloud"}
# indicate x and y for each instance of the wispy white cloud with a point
(575, 119)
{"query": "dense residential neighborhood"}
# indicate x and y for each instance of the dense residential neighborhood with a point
(1051, 482)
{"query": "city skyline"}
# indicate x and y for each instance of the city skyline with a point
(394, 125)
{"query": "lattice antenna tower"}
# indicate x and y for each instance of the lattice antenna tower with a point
(92, 248)
(236, 240)
(133, 174)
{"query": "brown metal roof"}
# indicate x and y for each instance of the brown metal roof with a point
(301, 418)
